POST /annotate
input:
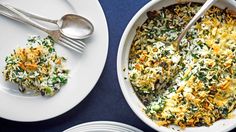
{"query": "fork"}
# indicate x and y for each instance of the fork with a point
(56, 35)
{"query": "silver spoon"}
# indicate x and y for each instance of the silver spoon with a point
(200, 13)
(55, 34)
(70, 25)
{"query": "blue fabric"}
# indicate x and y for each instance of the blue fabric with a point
(106, 101)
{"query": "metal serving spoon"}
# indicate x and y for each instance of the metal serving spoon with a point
(201, 12)
(55, 34)
(70, 25)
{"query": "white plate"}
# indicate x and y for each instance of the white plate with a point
(103, 126)
(85, 69)
(122, 62)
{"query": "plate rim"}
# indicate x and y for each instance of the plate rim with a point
(90, 88)
(108, 123)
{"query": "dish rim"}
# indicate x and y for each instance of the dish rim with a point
(121, 66)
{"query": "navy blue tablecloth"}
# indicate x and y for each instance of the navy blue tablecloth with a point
(105, 102)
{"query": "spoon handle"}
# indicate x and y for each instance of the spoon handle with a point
(34, 16)
(16, 15)
(200, 13)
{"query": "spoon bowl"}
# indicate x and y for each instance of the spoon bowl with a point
(71, 25)
(75, 26)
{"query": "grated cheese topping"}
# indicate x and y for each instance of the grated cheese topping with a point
(195, 86)
(37, 67)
